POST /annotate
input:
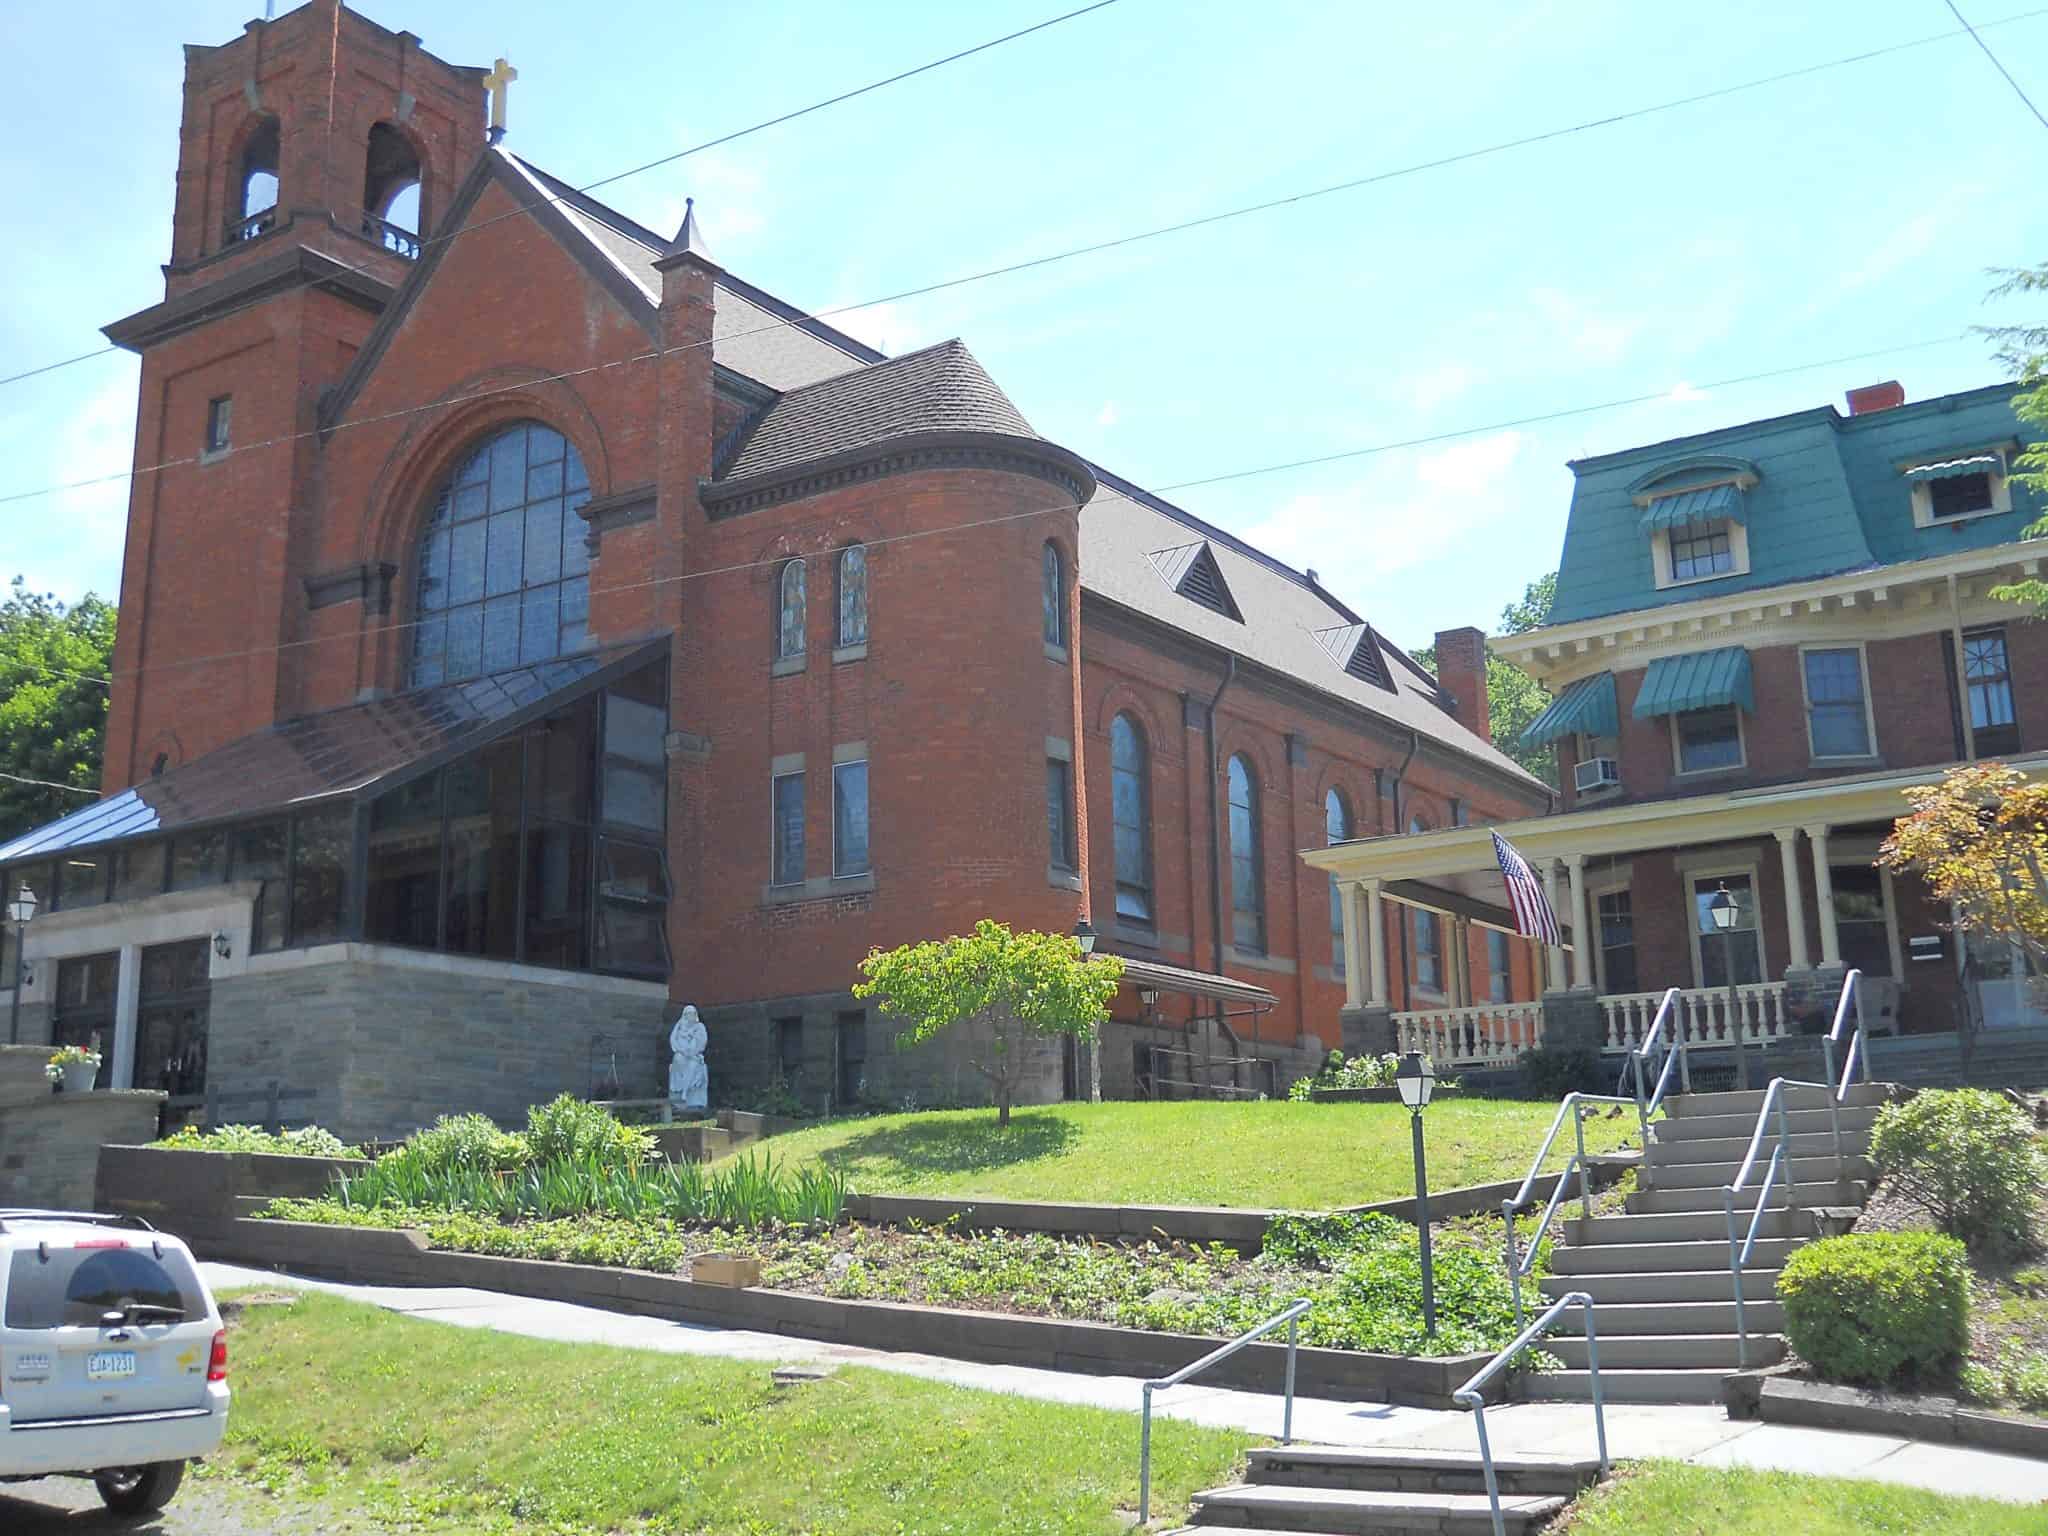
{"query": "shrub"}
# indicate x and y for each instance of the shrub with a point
(568, 1128)
(459, 1143)
(1552, 1071)
(1878, 1308)
(1971, 1157)
(1357, 1072)
(2017, 1377)
(311, 1141)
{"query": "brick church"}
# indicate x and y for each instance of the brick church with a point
(529, 626)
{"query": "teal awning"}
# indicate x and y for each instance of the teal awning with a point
(1703, 680)
(1711, 504)
(1586, 707)
(1948, 469)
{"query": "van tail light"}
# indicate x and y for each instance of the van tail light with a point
(217, 1365)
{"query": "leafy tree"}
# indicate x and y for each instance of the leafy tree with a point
(1513, 697)
(1012, 988)
(52, 713)
(2024, 349)
(1980, 837)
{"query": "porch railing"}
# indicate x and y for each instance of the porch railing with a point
(1490, 1034)
(393, 237)
(1705, 1016)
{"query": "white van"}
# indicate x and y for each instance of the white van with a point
(113, 1361)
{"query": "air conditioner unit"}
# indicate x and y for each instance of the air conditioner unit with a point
(1596, 773)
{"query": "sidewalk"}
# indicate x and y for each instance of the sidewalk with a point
(1697, 1434)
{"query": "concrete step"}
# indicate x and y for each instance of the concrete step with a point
(1661, 1386)
(1622, 1319)
(1806, 1197)
(1747, 1101)
(1637, 1258)
(1711, 1127)
(1367, 1511)
(1684, 1226)
(1800, 1170)
(1413, 1470)
(1671, 1285)
(1732, 1149)
(1667, 1351)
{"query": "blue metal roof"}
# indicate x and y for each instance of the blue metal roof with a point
(1709, 504)
(1587, 707)
(1702, 680)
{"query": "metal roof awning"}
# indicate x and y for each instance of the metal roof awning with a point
(1703, 680)
(1587, 707)
(1949, 469)
(1171, 978)
(1709, 504)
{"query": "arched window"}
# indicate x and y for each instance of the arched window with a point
(1417, 824)
(504, 577)
(256, 181)
(1053, 597)
(789, 612)
(1130, 794)
(1247, 882)
(391, 181)
(853, 595)
(1336, 829)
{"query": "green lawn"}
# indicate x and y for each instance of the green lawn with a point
(345, 1407)
(1673, 1499)
(1274, 1154)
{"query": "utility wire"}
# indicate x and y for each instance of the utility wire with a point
(73, 789)
(2017, 90)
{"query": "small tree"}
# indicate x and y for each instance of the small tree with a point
(1017, 986)
(1980, 837)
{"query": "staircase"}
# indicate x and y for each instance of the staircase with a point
(1659, 1275)
(1342, 1492)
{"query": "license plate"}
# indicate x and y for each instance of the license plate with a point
(109, 1364)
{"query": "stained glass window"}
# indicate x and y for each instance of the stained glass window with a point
(789, 612)
(853, 595)
(1054, 597)
(503, 575)
(1130, 796)
(1247, 883)
(1336, 829)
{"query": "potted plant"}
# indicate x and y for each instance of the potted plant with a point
(73, 1067)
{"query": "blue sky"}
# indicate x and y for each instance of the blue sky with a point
(1845, 211)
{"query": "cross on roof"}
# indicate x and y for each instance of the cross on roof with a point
(499, 83)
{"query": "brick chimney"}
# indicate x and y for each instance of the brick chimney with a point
(1876, 397)
(1461, 671)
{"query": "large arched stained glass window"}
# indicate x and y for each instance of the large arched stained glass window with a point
(1336, 829)
(504, 573)
(1247, 877)
(1131, 806)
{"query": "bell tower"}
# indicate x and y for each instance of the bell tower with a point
(316, 151)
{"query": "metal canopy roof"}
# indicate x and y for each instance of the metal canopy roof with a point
(1711, 504)
(1171, 978)
(1949, 469)
(1674, 684)
(1587, 707)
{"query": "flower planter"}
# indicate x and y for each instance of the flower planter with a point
(78, 1076)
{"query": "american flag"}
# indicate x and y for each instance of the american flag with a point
(1534, 918)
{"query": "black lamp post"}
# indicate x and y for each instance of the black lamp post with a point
(1723, 910)
(19, 911)
(1416, 1082)
(1084, 935)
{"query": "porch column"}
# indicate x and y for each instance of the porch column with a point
(1354, 944)
(1556, 980)
(1376, 944)
(1824, 897)
(1582, 951)
(1795, 897)
(127, 1009)
(1461, 963)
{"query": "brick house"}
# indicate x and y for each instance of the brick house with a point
(1761, 636)
(529, 626)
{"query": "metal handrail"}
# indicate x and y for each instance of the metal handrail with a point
(1292, 1318)
(1667, 1011)
(1472, 1395)
(1859, 1042)
(1521, 1261)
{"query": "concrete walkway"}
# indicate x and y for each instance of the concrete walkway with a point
(1703, 1435)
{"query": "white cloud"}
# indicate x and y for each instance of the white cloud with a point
(728, 201)
(1107, 416)
(1683, 393)
(885, 326)
(1590, 335)
(1436, 386)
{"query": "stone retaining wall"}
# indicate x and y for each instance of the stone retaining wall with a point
(50, 1142)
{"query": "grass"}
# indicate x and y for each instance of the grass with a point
(409, 1422)
(1274, 1154)
(1679, 1500)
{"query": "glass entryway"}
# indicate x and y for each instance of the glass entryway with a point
(83, 1012)
(170, 1022)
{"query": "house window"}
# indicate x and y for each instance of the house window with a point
(1336, 829)
(789, 829)
(1959, 496)
(219, 419)
(1059, 813)
(1860, 923)
(1838, 724)
(789, 1054)
(853, 595)
(1741, 946)
(1130, 794)
(1708, 739)
(1429, 951)
(1499, 967)
(1053, 597)
(849, 819)
(1988, 671)
(851, 1037)
(1247, 886)
(1698, 552)
(1617, 942)
(789, 612)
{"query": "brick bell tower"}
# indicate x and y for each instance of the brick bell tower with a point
(315, 153)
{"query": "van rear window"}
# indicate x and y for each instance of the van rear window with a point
(77, 1287)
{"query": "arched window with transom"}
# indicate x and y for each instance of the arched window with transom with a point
(1130, 794)
(1053, 595)
(853, 595)
(1247, 879)
(1337, 828)
(789, 612)
(504, 574)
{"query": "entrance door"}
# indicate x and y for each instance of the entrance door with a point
(2007, 994)
(170, 1022)
(84, 1010)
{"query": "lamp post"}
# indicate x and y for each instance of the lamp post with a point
(1723, 910)
(1084, 935)
(1416, 1082)
(19, 911)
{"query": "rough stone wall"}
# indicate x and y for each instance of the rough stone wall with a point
(50, 1142)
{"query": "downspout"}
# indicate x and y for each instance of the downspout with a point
(1401, 830)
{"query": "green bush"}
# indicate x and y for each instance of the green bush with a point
(1971, 1157)
(1879, 1308)
(1357, 1072)
(311, 1141)
(459, 1144)
(1552, 1071)
(570, 1129)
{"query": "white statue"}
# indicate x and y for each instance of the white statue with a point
(689, 1082)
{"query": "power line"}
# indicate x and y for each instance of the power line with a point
(669, 159)
(1996, 64)
(73, 789)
